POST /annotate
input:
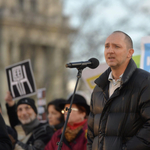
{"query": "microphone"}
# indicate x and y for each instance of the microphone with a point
(91, 63)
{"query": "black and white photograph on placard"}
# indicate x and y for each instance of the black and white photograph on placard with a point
(20, 79)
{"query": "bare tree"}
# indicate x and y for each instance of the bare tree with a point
(97, 19)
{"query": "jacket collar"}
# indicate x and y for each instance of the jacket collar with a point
(102, 81)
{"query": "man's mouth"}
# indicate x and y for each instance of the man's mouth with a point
(25, 117)
(111, 58)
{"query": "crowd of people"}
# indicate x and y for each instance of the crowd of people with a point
(118, 117)
(75, 136)
(31, 134)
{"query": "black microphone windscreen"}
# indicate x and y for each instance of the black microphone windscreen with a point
(94, 63)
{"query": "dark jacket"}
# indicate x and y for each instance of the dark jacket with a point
(79, 143)
(40, 136)
(5, 143)
(12, 135)
(122, 121)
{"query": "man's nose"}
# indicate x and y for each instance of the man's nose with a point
(111, 50)
(24, 111)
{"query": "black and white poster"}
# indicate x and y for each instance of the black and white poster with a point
(20, 79)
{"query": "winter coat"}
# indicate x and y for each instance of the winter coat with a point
(36, 139)
(121, 121)
(5, 143)
(79, 143)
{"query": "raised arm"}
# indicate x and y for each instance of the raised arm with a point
(11, 110)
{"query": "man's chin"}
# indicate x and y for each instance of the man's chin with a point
(25, 121)
(111, 65)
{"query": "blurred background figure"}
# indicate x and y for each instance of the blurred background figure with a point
(11, 132)
(55, 117)
(5, 143)
(32, 134)
(76, 132)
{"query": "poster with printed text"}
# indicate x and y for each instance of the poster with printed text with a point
(20, 79)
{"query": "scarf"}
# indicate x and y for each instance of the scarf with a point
(30, 126)
(72, 130)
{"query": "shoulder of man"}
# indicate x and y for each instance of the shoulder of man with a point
(43, 131)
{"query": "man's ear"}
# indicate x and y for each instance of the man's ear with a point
(131, 51)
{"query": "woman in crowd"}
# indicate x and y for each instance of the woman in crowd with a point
(75, 137)
(55, 117)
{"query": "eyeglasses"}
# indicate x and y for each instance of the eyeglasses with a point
(66, 110)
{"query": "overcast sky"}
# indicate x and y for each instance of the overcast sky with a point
(110, 12)
(106, 16)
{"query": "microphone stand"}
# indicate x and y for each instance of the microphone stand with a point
(69, 109)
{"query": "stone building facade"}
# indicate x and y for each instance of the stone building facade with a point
(35, 30)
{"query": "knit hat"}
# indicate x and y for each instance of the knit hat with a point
(28, 101)
(79, 100)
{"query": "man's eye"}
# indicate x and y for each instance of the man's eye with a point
(19, 110)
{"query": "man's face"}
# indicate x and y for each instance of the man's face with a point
(117, 55)
(25, 113)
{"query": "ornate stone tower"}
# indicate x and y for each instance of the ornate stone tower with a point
(35, 30)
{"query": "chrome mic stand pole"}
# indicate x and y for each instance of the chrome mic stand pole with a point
(69, 109)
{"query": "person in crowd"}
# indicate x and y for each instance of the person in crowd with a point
(55, 117)
(119, 116)
(32, 135)
(75, 137)
(5, 142)
(11, 132)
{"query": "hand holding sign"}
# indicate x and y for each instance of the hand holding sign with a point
(9, 99)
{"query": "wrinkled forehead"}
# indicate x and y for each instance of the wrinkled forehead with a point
(115, 38)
